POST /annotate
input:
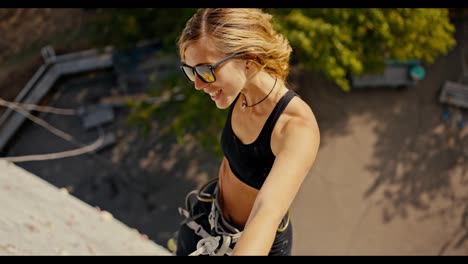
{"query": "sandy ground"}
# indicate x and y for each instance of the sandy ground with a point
(390, 177)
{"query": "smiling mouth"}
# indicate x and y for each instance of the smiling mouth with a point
(216, 93)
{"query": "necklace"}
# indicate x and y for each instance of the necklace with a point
(244, 102)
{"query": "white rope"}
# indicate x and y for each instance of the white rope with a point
(58, 155)
(21, 108)
(47, 109)
(44, 124)
(206, 246)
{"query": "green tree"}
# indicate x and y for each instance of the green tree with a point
(341, 41)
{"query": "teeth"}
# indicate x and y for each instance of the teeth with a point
(215, 93)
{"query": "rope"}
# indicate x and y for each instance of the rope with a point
(58, 155)
(82, 148)
(47, 109)
(44, 124)
(20, 108)
(206, 246)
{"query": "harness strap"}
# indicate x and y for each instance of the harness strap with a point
(209, 244)
(225, 249)
(198, 229)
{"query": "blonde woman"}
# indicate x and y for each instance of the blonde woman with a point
(270, 139)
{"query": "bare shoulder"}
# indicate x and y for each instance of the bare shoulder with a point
(299, 116)
(299, 127)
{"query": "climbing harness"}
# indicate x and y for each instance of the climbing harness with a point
(222, 236)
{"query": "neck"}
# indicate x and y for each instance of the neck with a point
(265, 93)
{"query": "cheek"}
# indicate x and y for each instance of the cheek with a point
(230, 86)
(231, 79)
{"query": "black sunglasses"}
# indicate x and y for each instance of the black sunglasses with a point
(204, 71)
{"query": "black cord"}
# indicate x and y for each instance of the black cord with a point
(244, 102)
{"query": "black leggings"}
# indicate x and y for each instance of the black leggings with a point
(187, 239)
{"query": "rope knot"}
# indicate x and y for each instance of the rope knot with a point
(208, 245)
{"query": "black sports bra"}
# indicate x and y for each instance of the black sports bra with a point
(251, 163)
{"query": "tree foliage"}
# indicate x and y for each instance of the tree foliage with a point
(342, 41)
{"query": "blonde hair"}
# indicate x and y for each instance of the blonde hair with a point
(248, 31)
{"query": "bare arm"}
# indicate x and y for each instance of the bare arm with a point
(293, 161)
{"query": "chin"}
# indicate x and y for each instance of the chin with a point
(222, 106)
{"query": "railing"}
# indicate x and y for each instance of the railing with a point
(45, 77)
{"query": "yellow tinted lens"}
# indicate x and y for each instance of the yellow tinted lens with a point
(205, 73)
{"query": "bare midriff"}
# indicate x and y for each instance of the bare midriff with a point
(235, 197)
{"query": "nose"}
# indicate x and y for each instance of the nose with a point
(199, 84)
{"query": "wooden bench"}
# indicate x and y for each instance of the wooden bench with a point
(455, 94)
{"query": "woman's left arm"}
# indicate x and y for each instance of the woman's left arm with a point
(296, 154)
